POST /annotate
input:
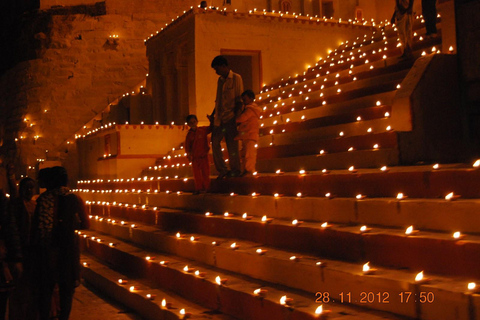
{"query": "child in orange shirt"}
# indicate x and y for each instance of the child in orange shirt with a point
(196, 146)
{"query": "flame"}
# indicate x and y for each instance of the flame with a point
(400, 196)
(164, 303)
(192, 238)
(293, 258)
(178, 235)
(244, 216)
(457, 234)
(366, 267)
(476, 164)
(471, 286)
(182, 312)
(132, 288)
(299, 194)
(283, 300)
(319, 310)
(218, 280)
(264, 218)
(409, 230)
(363, 228)
(233, 245)
(436, 166)
(419, 276)
(449, 196)
(295, 222)
(256, 291)
(324, 225)
(185, 269)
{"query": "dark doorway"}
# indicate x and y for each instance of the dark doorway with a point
(248, 65)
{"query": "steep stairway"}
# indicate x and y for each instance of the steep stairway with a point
(332, 219)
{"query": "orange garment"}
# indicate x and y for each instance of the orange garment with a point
(248, 122)
(196, 146)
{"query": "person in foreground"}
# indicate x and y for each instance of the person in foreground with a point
(57, 215)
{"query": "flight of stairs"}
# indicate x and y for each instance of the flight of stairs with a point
(299, 233)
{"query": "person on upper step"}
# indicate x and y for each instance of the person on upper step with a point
(196, 147)
(403, 19)
(247, 127)
(228, 105)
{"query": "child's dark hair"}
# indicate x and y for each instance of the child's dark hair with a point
(191, 116)
(249, 93)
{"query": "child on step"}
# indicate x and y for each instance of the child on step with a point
(196, 147)
(247, 127)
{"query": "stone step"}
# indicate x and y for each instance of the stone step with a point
(235, 297)
(329, 281)
(392, 248)
(332, 66)
(424, 182)
(106, 279)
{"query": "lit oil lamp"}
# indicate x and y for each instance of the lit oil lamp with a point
(245, 216)
(234, 246)
(476, 164)
(266, 220)
(325, 225)
(325, 171)
(410, 231)
(200, 274)
(329, 195)
(261, 251)
(133, 288)
(436, 166)
(365, 229)
(299, 194)
(473, 288)
(452, 196)
(150, 296)
(187, 269)
(352, 169)
(360, 196)
(193, 238)
(367, 270)
(208, 214)
(149, 258)
(419, 278)
(285, 301)
(321, 313)
(294, 258)
(164, 263)
(184, 314)
(401, 196)
(85, 264)
(260, 292)
(295, 222)
(166, 304)
(220, 281)
(458, 235)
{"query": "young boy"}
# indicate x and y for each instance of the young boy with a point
(247, 127)
(196, 146)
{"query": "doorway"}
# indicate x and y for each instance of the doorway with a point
(248, 64)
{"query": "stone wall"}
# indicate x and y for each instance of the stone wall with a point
(72, 72)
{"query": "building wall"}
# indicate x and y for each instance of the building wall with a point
(287, 47)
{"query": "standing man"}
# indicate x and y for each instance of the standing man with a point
(403, 18)
(429, 11)
(228, 105)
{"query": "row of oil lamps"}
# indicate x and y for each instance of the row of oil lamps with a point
(260, 292)
(410, 231)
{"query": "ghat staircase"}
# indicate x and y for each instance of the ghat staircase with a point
(335, 224)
